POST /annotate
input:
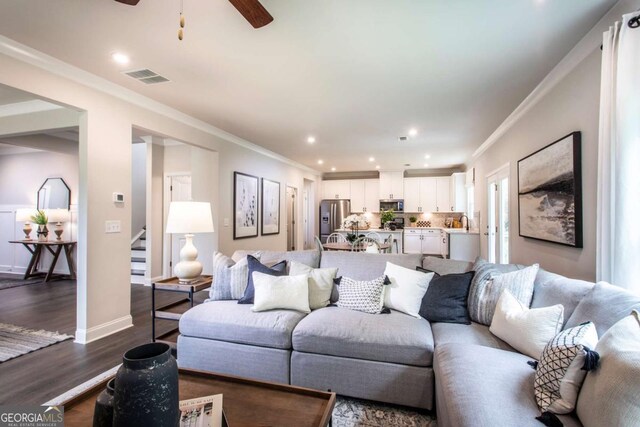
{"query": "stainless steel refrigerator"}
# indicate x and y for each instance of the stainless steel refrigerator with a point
(332, 213)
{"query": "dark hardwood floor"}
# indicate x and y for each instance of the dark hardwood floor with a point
(41, 375)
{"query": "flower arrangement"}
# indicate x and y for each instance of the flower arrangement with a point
(355, 222)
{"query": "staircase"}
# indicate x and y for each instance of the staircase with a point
(139, 258)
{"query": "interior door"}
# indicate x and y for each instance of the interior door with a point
(180, 191)
(498, 216)
(291, 218)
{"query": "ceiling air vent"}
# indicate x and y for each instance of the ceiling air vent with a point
(146, 76)
(402, 138)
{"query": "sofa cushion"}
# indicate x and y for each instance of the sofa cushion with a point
(364, 266)
(446, 266)
(233, 322)
(475, 334)
(551, 289)
(483, 386)
(446, 298)
(394, 337)
(604, 305)
(310, 257)
(229, 277)
(280, 269)
(366, 296)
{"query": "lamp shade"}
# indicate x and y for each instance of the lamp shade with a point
(24, 215)
(58, 215)
(189, 218)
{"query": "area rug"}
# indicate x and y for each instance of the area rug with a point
(363, 413)
(12, 281)
(16, 340)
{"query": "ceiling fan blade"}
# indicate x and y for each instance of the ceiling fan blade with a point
(129, 2)
(253, 12)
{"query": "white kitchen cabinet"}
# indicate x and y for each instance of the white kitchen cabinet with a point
(419, 195)
(336, 189)
(364, 195)
(458, 192)
(444, 244)
(412, 241)
(391, 185)
(443, 191)
(425, 241)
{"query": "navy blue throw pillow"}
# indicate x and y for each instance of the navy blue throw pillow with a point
(280, 269)
(446, 299)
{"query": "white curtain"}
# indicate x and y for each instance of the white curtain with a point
(618, 212)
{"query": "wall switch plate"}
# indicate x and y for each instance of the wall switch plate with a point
(112, 227)
(118, 197)
(225, 222)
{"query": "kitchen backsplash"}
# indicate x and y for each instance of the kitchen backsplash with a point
(437, 219)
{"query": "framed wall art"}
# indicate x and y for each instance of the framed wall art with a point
(550, 193)
(245, 205)
(270, 212)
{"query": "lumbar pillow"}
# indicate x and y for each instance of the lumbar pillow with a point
(254, 265)
(281, 292)
(484, 294)
(609, 395)
(229, 277)
(528, 330)
(563, 366)
(320, 283)
(446, 298)
(362, 295)
(406, 290)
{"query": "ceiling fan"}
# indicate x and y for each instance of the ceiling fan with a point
(252, 11)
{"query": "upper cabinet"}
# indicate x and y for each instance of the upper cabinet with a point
(420, 194)
(336, 189)
(458, 192)
(391, 185)
(443, 194)
(365, 195)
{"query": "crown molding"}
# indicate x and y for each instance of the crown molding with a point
(589, 43)
(53, 65)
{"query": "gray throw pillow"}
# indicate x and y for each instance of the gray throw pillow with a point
(229, 277)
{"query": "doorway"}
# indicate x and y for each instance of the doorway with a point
(290, 204)
(307, 214)
(177, 189)
(498, 216)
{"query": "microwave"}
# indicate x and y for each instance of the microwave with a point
(394, 205)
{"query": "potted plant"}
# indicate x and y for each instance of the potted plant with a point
(413, 220)
(41, 219)
(386, 217)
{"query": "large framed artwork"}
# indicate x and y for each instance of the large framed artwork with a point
(245, 205)
(550, 193)
(270, 214)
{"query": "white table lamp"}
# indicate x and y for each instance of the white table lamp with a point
(189, 218)
(58, 216)
(24, 215)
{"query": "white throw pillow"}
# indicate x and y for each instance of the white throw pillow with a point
(281, 292)
(528, 330)
(609, 395)
(406, 289)
(562, 368)
(320, 283)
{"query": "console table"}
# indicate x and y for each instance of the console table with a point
(54, 247)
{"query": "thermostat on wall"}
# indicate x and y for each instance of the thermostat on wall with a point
(118, 197)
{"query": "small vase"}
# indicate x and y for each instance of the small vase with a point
(146, 389)
(42, 232)
(103, 412)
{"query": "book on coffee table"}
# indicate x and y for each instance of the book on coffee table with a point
(202, 412)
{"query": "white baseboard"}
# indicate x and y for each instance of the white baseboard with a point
(85, 336)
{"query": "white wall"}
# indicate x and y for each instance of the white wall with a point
(573, 105)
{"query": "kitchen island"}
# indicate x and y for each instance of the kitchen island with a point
(396, 236)
(453, 243)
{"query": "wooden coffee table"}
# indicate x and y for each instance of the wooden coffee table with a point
(245, 402)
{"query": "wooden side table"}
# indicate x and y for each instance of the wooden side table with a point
(173, 285)
(54, 247)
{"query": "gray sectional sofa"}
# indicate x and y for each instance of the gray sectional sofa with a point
(470, 376)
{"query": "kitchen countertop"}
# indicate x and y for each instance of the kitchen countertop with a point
(368, 230)
(446, 230)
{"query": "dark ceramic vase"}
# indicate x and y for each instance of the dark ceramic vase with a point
(146, 389)
(103, 412)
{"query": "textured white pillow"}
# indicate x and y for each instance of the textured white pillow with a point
(528, 330)
(609, 395)
(320, 283)
(281, 292)
(406, 289)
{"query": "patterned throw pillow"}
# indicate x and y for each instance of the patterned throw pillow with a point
(487, 286)
(563, 367)
(229, 278)
(365, 296)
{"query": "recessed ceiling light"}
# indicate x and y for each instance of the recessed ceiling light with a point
(311, 139)
(333, 169)
(320, 161)
(427, 156)
(377, 166)
(120, 58)
(426, 165)
(413, 132)
(372, 159)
